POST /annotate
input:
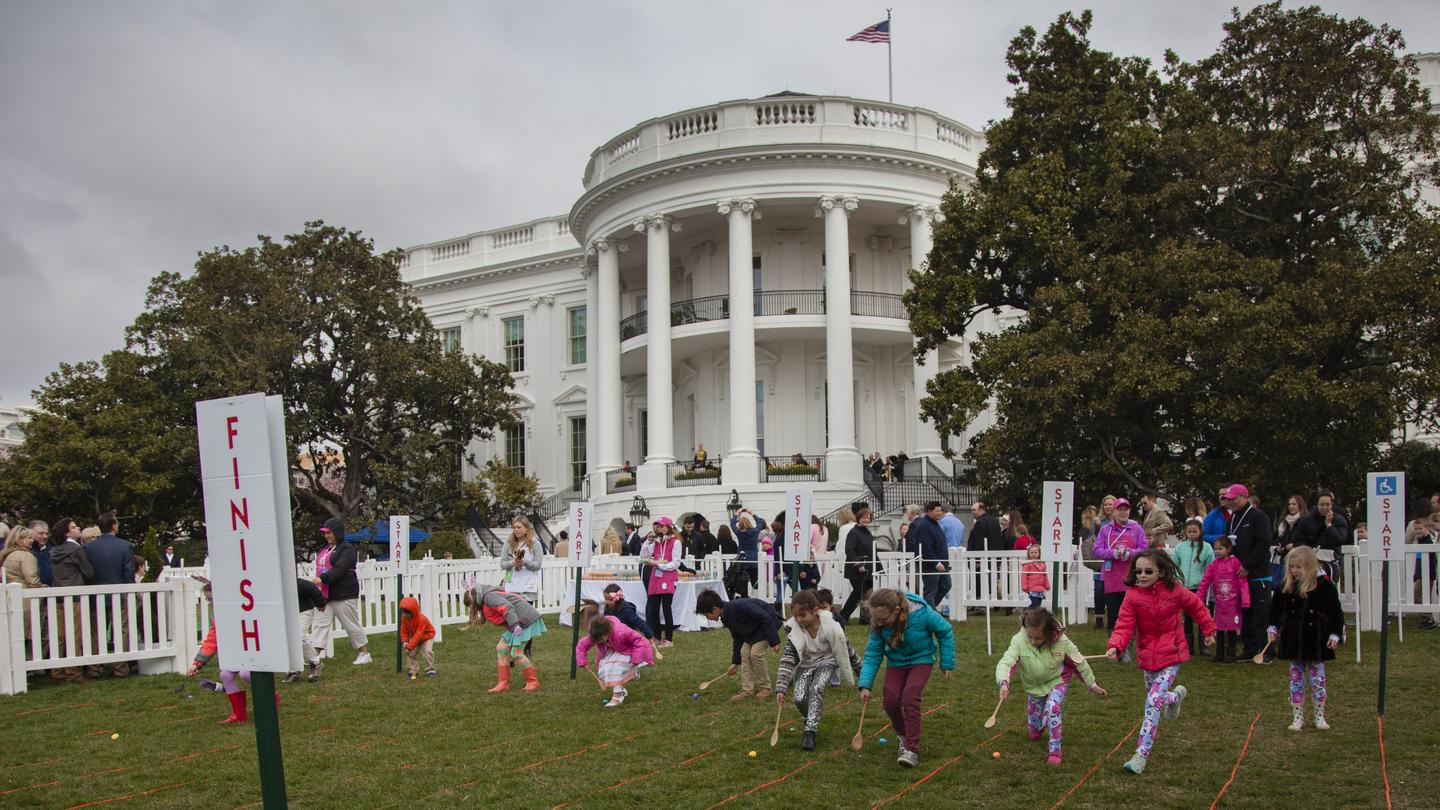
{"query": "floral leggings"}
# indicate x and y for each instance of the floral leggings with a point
(1157, 697)
(1298, 670)
(1043, 712)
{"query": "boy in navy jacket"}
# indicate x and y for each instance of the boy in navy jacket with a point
(753, 625)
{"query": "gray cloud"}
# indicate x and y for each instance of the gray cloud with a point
(135, 135)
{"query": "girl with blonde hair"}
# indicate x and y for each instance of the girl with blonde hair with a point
(1307, 621)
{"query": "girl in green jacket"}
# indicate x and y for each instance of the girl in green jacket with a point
(1045, 659)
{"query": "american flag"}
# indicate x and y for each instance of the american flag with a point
(879, 32)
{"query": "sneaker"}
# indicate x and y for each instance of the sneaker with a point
(315, 670)
(430, 674)
(742, 696)
(763, 693)
(414, 676)
(807, 741)
(212, 686)
(1125, 659)
(1053, 759)
(1136, 764)
(1429, 624)
(908, 758)
(291, 678)
(1172, 712)
(362, 659)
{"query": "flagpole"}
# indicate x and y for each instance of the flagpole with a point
(889, 54)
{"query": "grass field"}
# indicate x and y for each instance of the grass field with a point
(366, 738)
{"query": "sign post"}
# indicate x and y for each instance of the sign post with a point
(580, 519)
(797, 532)
(246, 490)
(399, 558)
(1057, 537)
(1385, 499)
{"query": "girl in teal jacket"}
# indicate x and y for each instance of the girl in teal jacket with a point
(907, 632)
(1192, 556)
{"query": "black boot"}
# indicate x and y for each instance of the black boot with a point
(807, 742)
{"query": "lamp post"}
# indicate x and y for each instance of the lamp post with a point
(639, 512)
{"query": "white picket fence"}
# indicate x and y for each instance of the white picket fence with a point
(161, 624)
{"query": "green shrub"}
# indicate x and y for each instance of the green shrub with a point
(442, 541)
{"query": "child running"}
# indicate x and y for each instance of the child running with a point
(1045, 659)
(487, 603)
(753, 625)
(1306, 617)
(417, 634)
(1151, 615)
(1232, 597)
(1192, 556)
(621, 653)
(815, 651)
(1033, 579)
(907, 633)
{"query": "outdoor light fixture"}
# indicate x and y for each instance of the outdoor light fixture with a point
(732, 506)
(639, 512)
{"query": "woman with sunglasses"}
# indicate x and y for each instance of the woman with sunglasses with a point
(1151, 615)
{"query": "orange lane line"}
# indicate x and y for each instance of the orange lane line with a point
(1236, 769)
(35, 711)
(101, 731)
(1095, 767)
(28, 787)
(112, 770)
(947, 763)
(582, 751)
(1384, 771)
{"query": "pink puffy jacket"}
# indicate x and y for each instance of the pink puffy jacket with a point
(622, 640)
(1153, 615)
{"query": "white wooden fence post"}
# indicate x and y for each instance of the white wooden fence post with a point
(426, 577)
(12, 634)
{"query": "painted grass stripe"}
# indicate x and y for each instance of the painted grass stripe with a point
(1384, 770)
(1236, 768)
(1095, 767)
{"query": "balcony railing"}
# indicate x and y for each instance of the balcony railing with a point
(768, 302)
(798, 467)
(687, 475)
(619, 481)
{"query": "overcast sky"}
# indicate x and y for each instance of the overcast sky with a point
(135, 135)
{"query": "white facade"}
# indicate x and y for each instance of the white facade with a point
(12, 425)
(681, 217)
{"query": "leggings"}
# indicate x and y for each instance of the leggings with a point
(228, 676)
(808, 692)
(655, 604)
(507, 656)
(1043, 712)
(903, 688)
(1157, 697)
(1298, 670)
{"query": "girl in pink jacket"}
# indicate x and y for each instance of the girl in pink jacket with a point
(1232, 597)
(1151, 615)
(621, 653)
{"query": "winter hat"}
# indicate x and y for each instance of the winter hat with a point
(335, 526)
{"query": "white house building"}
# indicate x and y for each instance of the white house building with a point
(620, 321)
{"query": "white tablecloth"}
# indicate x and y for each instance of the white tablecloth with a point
(686, 590)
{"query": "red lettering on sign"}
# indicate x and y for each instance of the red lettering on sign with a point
(239, 514)
(250, 632)
(243, 565)
(249, 603)
(230, 427)
(235, 470)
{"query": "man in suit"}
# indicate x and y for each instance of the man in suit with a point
(169, 559)
(1156, 523)
(113, 563)
(984, 535)
(929, 540)
(71, 569)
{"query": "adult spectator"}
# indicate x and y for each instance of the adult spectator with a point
(40, 533)
(747, 539)
(18, 560)
(311, 601)
(562, 544)
(1117, 544)
(169, 559)
(1250, 533)
(522, 563)
(929, 540)
(1090, 529)
(1155, 521)
(725, 541)
(844, 522)
(1295, 509)
(1007, 534)
(906, 542)
(113, 562)
(633, 540)
(1432, 539)
(859, 566)
(1324, 530)
(335, 574)
(705, 542)
(71, 568)
(1021, 532)
(1196, 507)
(1217, 520)
(954, 529)
(984, 536)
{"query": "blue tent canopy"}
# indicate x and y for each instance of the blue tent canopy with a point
(380, 533)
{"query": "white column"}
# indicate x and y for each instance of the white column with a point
(594, 479)
(656, 228)
(607, 393)
(842, 459)
(741, 463)
(927, 439)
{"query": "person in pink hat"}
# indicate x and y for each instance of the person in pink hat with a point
(662, 555)
(1251, 533)
(1118, 542)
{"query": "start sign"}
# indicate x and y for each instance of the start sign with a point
(1385, 497)
(581, 519)
(1057, 522)
(797, 525)
(400, 544)
(246, 487)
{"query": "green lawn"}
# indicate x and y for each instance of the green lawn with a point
(364, 737)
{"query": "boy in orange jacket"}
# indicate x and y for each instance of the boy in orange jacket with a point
(418, 636)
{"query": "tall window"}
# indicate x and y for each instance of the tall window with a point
(760, 416)
(755, 280)
(515, 343)
(450, 339)
(515, 449)
(644, 435)
(577, 452)
(576, 317)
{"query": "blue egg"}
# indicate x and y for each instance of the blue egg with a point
(884, 741)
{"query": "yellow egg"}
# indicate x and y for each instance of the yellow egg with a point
(114, 736)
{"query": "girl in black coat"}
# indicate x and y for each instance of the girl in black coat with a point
(1305, 615)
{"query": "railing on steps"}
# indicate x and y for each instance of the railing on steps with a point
(558, 503)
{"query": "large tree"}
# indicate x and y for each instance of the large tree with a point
(378, 415)
(1226, 269)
